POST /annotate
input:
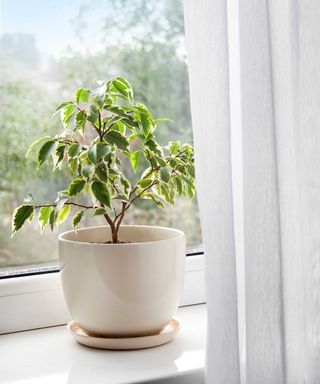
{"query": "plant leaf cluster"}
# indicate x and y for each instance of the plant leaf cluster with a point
(124, 134)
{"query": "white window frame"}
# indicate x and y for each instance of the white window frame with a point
(36, 301)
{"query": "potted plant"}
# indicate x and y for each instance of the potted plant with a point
(118, 280)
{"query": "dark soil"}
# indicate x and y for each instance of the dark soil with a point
(109, 242)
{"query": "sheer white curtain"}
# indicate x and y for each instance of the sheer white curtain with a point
(279, 45)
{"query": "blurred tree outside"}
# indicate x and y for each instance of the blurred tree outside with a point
(141, 40)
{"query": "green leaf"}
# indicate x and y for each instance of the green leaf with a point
(190, 169)
(145, 183)
(31, 217)
(58, 156)
(113, 173)
(133, 136)
(52, 219)
(114, 137)
(92, 154)
(63, 214)
(173, 162)
(94, 114)
(163, 120)
(165, 174)
(102, 172)
(160, 160)
(129, 122)
(122, 88)
(82, 94)
(86, 190)
(81, 119)
(120, 127)
(74, 150)
(77, 218)
(73, 165)
(153, 146)
(37, 142)
(121, 197)
(189, 181)
(179, 185)
(114, 121)
(88, 170)
(142, 193)
(62, 106)
(44, 216)
(125, 183)
(134, 158)
(142, 109)
(99, 211)
(117, 110)
(190, 191)
(46, 151)
(98, 151)
(67, 114)
(164, 191)
(101, 193)
(145, 118)
(76, 186)
(128, 86)
(157, 200)
(20, 215)
(174, 147)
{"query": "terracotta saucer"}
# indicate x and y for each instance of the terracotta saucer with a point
(124, 343)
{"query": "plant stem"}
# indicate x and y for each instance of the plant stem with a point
(121, 216)
(112, 226)
(137, 196)
(100, 127)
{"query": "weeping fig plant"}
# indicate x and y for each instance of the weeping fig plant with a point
(109, 147)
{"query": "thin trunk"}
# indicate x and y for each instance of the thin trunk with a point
(114, 233)
(123, 211)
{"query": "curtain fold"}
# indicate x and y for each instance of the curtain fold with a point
(280, 107)
(262, 234)
(208, 47)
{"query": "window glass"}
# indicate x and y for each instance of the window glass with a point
(50, 48)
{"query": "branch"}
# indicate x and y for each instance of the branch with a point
(123, 211)
(176, 156)
(144, 190)
(108, 218)
(68, 203)
(100, 125)
(115, 187)
(66, 141)
(132, 192)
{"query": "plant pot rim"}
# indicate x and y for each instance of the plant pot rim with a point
(178, 235)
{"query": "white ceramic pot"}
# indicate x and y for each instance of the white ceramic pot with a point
(128, 289)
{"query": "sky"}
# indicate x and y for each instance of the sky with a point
(49, 20)
(52, 24)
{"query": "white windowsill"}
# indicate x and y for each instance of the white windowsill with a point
(51, 356)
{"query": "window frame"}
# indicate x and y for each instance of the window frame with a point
(35, 299)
